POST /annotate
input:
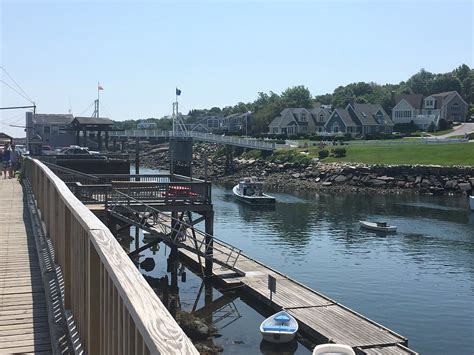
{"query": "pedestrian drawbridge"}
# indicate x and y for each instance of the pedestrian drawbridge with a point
(180, 232)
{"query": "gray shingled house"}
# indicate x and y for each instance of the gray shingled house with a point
(449, 106)
(359, 119)
(299, 120)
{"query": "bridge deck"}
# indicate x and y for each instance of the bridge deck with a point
(23, 314)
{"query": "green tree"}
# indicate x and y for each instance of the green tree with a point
(445, 82)
(297, 96)
(420, 83)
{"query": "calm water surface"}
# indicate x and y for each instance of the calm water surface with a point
(418, 282)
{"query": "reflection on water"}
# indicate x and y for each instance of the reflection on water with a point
(418, 282)
(411, 281)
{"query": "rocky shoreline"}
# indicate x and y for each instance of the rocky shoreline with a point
(319, 176)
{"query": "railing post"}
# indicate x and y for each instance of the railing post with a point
(93, 301)
(66, 268)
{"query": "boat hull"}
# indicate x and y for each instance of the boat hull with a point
(338, 349)
(278, 338)
(263, 200)
(373, 226)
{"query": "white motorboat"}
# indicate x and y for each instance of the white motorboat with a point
(250, 191)
(471, 202)
(336, 349)
(378, 226)
(279, 328)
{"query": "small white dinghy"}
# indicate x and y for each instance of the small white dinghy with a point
(279, 328)
(378, 226)
(471, 202)
(329, 349)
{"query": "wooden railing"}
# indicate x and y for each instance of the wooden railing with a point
(114, 309)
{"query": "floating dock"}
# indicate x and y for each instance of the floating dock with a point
(320, 318)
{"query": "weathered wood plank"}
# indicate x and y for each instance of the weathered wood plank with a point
(23, 316)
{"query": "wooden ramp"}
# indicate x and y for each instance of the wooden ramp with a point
(23, 314)
(319, 317)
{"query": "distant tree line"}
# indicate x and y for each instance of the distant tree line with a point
(267, 106)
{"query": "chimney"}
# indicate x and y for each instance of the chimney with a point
(351, 101)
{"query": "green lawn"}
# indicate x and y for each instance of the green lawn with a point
(440, 133)
(424, 154)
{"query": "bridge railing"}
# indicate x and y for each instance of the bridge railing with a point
(207, 137)
(115, 310)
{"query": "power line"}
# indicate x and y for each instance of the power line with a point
(19, 93)
(88, 107)
(24, 92)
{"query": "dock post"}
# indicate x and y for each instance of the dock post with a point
(137, 157)
(209, 225)
(229, 159)
(137, 238)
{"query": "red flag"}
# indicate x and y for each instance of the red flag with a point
(99, 87)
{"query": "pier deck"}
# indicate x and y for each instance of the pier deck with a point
(23, 313)
(319, 317)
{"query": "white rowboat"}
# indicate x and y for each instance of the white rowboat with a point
(279, 328)
(378, 226)
(328, 349)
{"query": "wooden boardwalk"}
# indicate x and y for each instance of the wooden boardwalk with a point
(23, 313)
(319, 317)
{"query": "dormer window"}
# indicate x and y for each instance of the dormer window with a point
(378, 117)
(429, 102)
(303, 117)
(321, 117)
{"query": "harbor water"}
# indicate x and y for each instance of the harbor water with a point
(418, 282)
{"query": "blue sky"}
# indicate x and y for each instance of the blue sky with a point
(217, 53)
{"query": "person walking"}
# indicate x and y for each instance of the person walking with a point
(6, 162)
(14, 161)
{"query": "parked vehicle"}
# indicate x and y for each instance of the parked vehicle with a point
(73, 150)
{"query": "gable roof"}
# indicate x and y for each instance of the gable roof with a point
(444, 97)
(94, 120)
(367, 114)
(415, 100)
(276, 121)
(315, 112)
(63, 119)
(345, 116)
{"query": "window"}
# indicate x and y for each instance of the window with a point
(304, 129)
(290, 129)
(275, 129)
(455, 107)
(303, 117)
(335, 129)
(46, 129)
(321, 117)
(378, 116)
(320, 129)
(55, 129)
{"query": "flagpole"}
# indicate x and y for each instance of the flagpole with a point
(98, 97)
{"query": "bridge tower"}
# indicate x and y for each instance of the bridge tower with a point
(181, 144)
